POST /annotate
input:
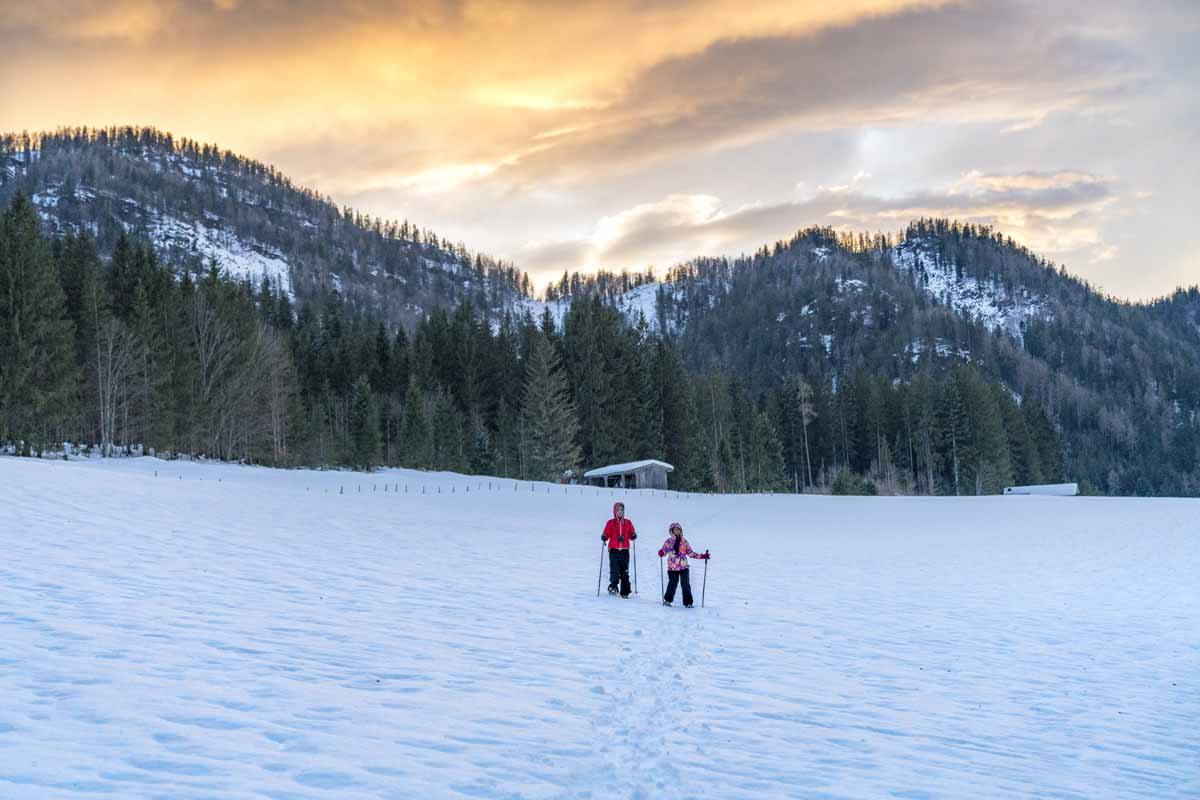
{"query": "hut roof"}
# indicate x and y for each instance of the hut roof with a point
(621, 469)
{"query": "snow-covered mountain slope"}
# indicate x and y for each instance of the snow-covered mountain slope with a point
(234, 632)
(986, 301)
(208, 242)
(637, 303)
(201, 205)
(234, 255)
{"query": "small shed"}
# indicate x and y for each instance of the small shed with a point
(648, 474)
(1052, 489)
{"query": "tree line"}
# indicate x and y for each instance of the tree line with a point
(133, 352)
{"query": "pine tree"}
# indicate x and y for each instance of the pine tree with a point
(768, 471)
(1026, 462)
(990, 469)
(156, 408)
(38, 376)
(416, 443)
(648, 397)
(449, 453)
(954, 434)
(364, 425)
(479, 443)
(549, 417)
(506, 451)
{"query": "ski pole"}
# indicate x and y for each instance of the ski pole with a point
(662, 591)
(635, 566)
(704, 585)
(600, 574)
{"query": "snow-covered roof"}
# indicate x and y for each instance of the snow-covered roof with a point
(621, 469)
(1060, 489)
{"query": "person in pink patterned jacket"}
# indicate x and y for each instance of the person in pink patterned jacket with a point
(677, 549)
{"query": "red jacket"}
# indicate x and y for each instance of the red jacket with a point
(618, 533)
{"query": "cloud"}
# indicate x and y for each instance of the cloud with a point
(956, 64)
(603, 132)
(1055, 213)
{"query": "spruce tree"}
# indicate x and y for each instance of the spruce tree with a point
(38, 376)
(364, 426)
(449, 453)
(154, 371)
(416, 442)
(548, 415)
(953, 435)
(479, 443)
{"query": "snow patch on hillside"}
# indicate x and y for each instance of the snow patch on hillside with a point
(236, 257)
(641, 301)
(986, 301)
(940, 347)
(521, 305)
(637, 302)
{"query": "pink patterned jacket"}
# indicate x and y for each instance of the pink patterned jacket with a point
(677, 561)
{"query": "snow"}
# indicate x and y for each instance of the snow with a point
(641, 301)
(45, 199)
(235, 256)
(237, 632)
(558, 310)
(941, 347)
(621, 469)
(1056, 489)
(986, 301)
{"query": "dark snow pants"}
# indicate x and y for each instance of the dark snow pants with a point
(618, 570)
(673, 579)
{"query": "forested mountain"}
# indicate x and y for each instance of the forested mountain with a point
(201, 205)
(872, 316)
(205, 305)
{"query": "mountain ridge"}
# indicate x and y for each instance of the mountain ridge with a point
(1118, 378)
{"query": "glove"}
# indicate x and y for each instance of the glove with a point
(632, 536)
(703, 556)
(604, 537)
(662, 553)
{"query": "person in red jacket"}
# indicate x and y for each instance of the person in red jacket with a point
(677, 549)
(619, 533)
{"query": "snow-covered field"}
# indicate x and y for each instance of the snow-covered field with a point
(230, 632)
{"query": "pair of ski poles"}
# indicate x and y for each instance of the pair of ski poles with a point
(661, 586)
(600, 574)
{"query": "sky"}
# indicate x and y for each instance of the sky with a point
(625, 134)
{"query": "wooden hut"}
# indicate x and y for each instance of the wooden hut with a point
(648, 474)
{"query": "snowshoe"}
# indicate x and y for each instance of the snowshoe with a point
(667, 603)
(612, 590)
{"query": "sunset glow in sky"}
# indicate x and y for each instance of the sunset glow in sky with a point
(581, 135)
